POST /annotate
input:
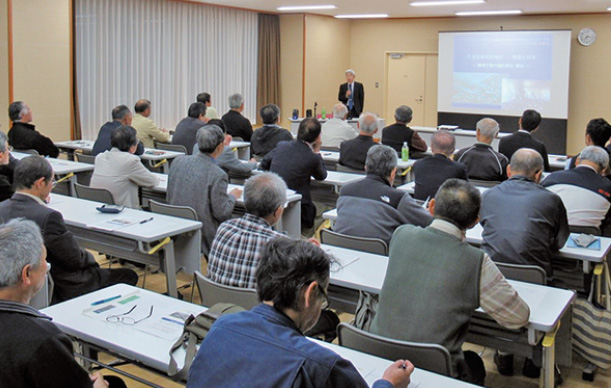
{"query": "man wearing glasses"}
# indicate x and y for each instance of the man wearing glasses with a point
(74, 270)
(266, 347)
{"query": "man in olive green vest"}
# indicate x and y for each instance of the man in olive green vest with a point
(435, 263)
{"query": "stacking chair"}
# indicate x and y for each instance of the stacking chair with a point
(44, 296)
(524, 273)
(342, 298)
(171, 147)
(213, 293)
(477, 182)
(83, 158)
(432, 357)
(92, 194)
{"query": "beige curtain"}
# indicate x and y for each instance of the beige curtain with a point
(268, 72)
(76, 132)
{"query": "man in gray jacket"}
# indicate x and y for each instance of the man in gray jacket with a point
(197, 181)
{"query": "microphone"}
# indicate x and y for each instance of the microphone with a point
(315, 105)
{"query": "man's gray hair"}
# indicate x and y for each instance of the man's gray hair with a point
(488, 128)
(208, 138)
(351, 72)
(381, 160)
(596, 155)
(3, 142)
(17, 110)
(235, 101)
(458, 202)
(340, 111)
(264, 193)
(20, 244)
(527, 162)
(368, 122)
(443, 142)
(403, 114)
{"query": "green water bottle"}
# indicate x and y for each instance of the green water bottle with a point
(323, 114)
(405, 152)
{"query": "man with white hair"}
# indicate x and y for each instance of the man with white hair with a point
(352, 94)
(353, 153)
(584, 191)
(482, 161)
(24, 136)
(237, 125)
(336, 130)
(399, 133)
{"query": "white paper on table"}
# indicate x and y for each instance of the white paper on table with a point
(114, 224)
(168, 327)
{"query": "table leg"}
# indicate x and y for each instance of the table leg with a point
(169, 265)
(291, 220)
(547, 377)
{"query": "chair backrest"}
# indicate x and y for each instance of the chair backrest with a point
(585, 229)
(213, 293)
(524, 273)
(365, 244)
(92, 194)
(171, 147)
(432, 357)
(83, 158)
(477, 182)
(237, 138)
(30, 151)
(172, 210)
(44, 296)
(341, 168)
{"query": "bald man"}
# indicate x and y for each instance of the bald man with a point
(523, 222)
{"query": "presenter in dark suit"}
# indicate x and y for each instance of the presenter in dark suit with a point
(74, 270)
(298, 160)
(352, 94)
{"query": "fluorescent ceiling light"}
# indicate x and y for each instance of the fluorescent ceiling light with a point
(445, 2)
(609, 9)
(305, 7)
(484, 13)
(364, 16)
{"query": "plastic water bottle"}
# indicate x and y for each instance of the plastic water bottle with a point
(405, 152)
(323, 114)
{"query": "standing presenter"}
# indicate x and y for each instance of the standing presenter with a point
(352, 94)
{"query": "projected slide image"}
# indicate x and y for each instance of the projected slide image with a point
(478, 90)
(516, 94)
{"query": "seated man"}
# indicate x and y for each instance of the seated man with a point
(121, 115)
(197, 181)
(528, 123)
(265, 138)
(432, 171)
(585, 193)
(598, 132)
(371, 207)
(24, 136)
(437, 261)
(292, 278)
(236, 247)
(399, 133)
(481, 160)
(35, 352)
(353, 153)
(206, 99)
(237, 125)
(185, 133)
(298, 160)
(120, 171)
(336, 130)
(148, 132)
(523, 223)
(74, 270)
(7, 166)
(228, 160)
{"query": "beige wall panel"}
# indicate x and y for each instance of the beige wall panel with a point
(41, 63)
(291, 66)
(4, 87)
(590, 78)
(327, 58)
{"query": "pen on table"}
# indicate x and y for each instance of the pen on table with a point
(106, 300)
(147, 220)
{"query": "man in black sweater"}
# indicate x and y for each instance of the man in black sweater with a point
(24, 136)
(265, 138)
(353, 153)
(237, 125)
(528, 123)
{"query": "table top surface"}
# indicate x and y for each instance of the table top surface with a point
(366, 272)
(81, 213)
(239, 144)
(61, 166)
(138, 343)
(333, 156)
(149, 153)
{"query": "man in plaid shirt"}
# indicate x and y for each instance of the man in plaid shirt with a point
(235, 250)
